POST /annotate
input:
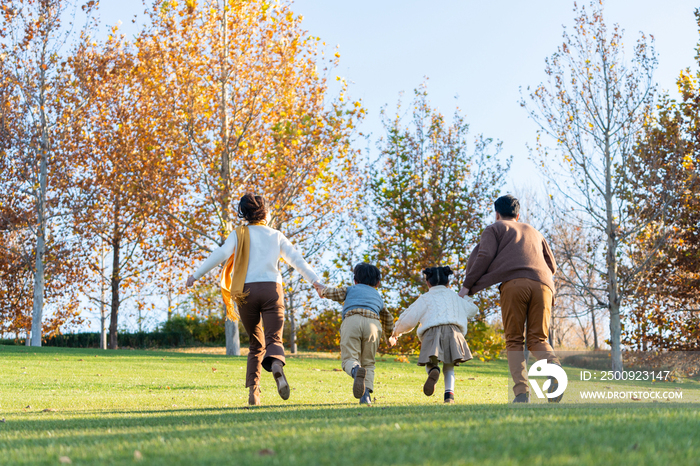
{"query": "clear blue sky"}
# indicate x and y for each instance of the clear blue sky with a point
(480, 52)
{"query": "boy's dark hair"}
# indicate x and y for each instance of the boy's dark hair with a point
(438, 275)
(367, 274)
(252, 208)
(507, 206)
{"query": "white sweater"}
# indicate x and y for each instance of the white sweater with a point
(439, 306)
(267, 246)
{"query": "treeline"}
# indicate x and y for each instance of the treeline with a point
(318, 333)
(122, 161)
(624, 183)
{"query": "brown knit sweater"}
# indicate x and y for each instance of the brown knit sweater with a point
(507, 250)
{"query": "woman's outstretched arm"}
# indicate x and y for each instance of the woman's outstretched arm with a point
(293, 257)
(217, 257)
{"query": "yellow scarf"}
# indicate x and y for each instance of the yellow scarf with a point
(234, 274)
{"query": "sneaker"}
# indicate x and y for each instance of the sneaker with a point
(553, 386)
(522, 398)
(280, 379)
(433, 376)
(358, 387)
(449, 397)
(366, 398)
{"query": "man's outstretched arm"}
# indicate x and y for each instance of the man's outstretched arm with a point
(549, 256)
(485, 253)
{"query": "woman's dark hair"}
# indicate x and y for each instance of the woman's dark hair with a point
(252, 208)
(507, 206)
(367, 274)
(438, 275)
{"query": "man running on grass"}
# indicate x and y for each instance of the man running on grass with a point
(518, 257)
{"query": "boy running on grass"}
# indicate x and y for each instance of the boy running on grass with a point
(364, 315)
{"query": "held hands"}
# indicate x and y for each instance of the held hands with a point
(392, 341)
(190, 281)
(463, 292)
(319, 287)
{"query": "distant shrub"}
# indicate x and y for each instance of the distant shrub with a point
(485, 341)
(191, 330)
(178, 331)
(321, 333)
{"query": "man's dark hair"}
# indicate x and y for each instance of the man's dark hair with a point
(438, 275)
(367, 274)
(252, 208)
(507, 206)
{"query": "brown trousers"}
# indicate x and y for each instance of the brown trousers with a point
(263, 311)
(526, 301)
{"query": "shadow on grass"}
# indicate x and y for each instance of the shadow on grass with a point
(475, 368)
(349, 434)
(340, 412)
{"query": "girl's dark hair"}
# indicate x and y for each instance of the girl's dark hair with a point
(367, 274)
(252, 208)
(438, 275)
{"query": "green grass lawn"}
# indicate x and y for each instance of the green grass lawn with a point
(98, 407)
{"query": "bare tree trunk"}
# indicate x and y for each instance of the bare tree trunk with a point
(115, 282)
(233, 338)
(292, 325)
(595, 330)
(103, 311)
(40, 253)
(615, 335)
(233, 342)
(170, 302)
(611, 263)
(38, 306)
(103, 292)
(103, 326)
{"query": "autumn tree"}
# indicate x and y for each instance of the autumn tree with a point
(15, 241)
(665, 309)
(245, 89)
(34, 79)
(594, 105)
(580, 288)
(119, 158)
(429, 197)
(63, 278)
(15, 285)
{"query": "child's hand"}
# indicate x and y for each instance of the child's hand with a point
(190, 281)
(319, 288)
(392, 341)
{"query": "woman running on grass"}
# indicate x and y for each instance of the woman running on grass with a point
(251, 285)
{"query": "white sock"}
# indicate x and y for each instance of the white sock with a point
(448, 371)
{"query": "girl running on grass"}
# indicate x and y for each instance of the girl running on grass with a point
(442, 318)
